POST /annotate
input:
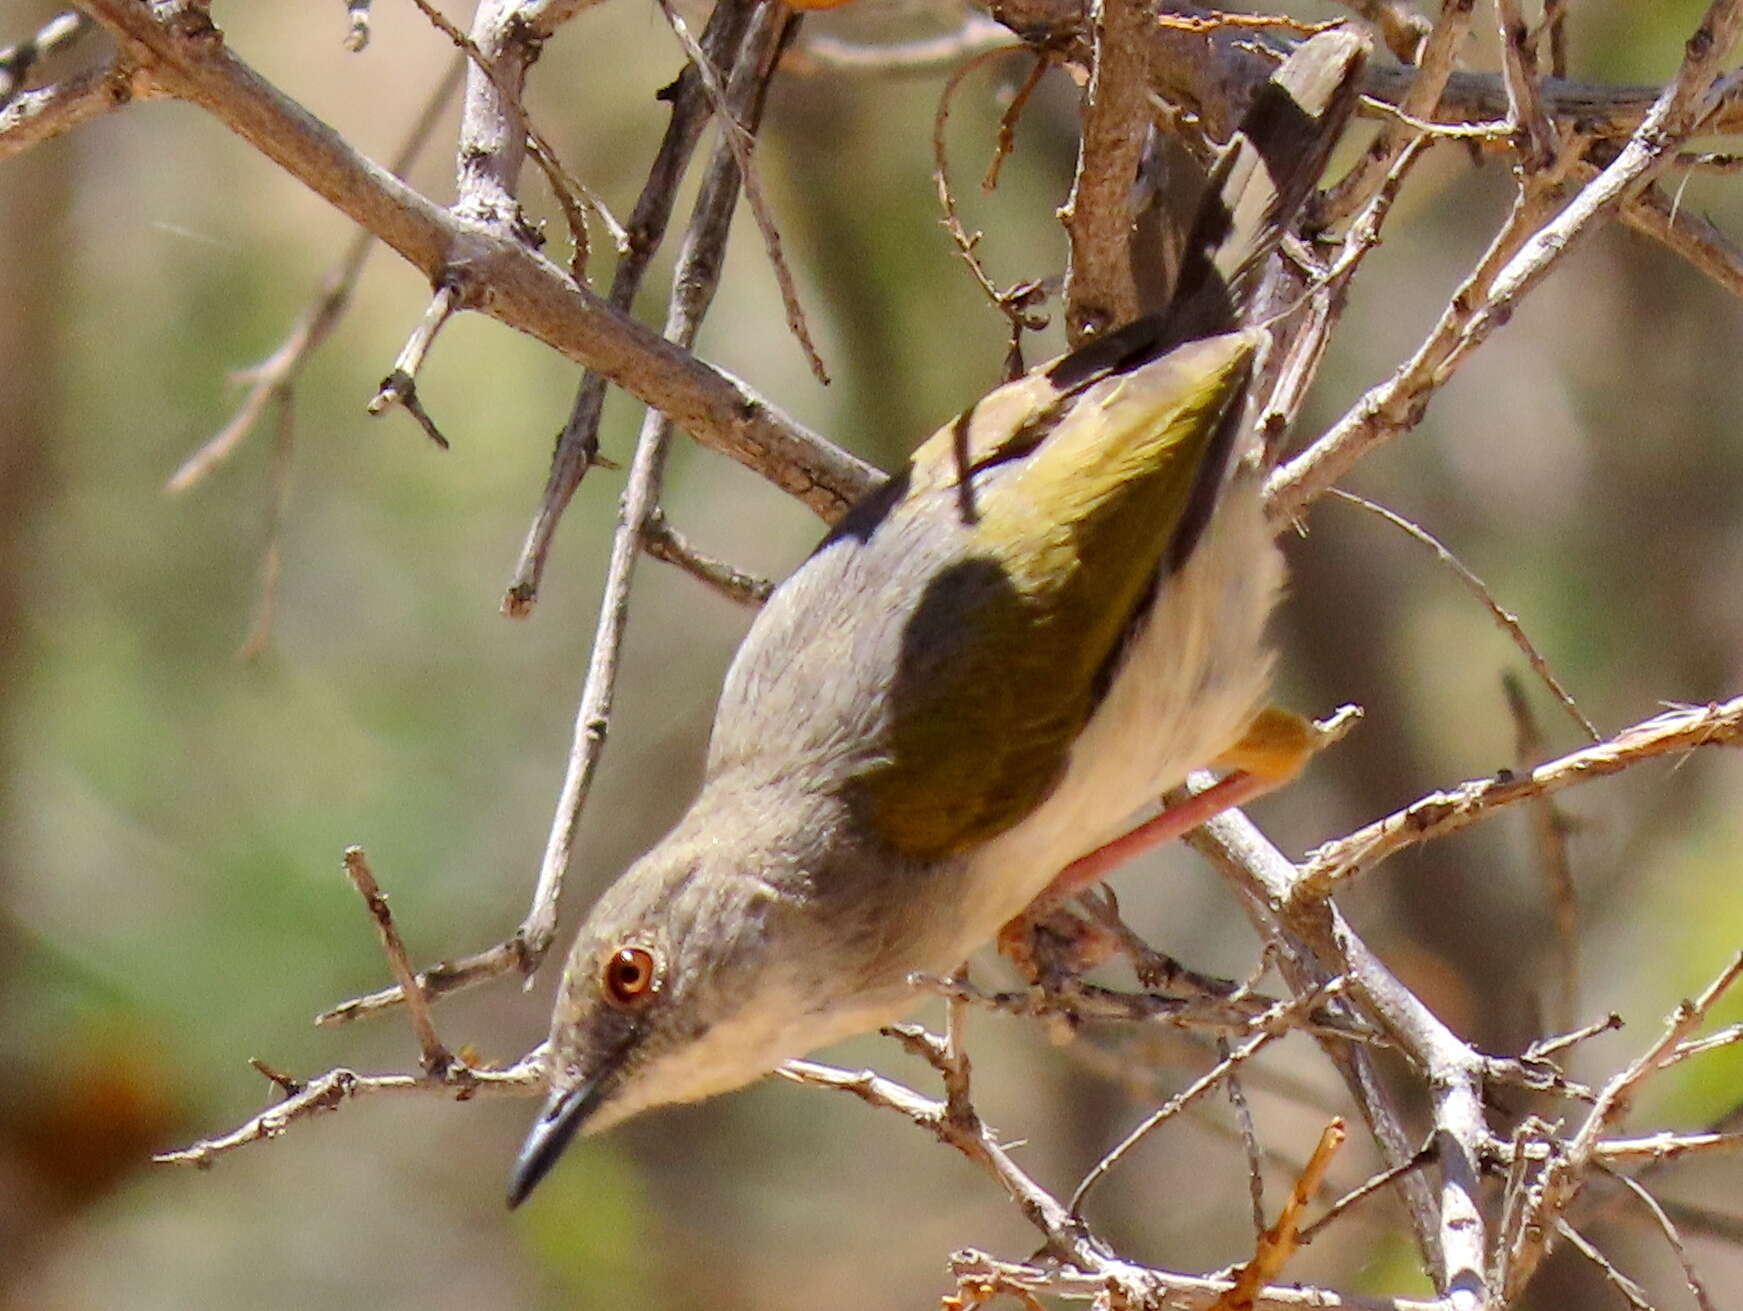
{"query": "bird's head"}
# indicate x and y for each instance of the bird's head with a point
(701, 969)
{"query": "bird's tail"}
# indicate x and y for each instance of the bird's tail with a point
(1261, 180)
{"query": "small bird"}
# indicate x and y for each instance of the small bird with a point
(986, 671)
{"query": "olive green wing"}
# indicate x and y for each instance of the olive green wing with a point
(1029, 557)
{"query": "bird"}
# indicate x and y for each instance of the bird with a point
(968, 692)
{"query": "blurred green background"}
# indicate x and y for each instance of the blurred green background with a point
(171, 901)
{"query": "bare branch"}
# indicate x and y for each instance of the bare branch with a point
(1673, 1236)
(500, 276)
(1315, 944)
(578, 445)
(1101, 289)
(1490, 295)
(277, 373)
(1441, 813)
(1567, 1172)
(435, 1057)
(821, 53)
(336, 1087)
(1631, 1292)
(1270, 1026)
(664, 542)
(29, 118)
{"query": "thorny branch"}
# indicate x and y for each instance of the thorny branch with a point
(1441, 813)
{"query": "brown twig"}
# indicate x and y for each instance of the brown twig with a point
(276, 375)
(1101, 288)
(742, 142)
(434, 1057)
(524, 290)
(666, 543)
(1017, 303)
(336, 1087)
(1444, 812)
(577, 448)
(1489, 296)
(1281, 1241)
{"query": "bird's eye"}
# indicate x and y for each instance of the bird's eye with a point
(630, 975)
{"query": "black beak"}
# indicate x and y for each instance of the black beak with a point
(563, 1115)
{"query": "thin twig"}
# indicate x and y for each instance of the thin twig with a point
(1444, 812)
(742, 143)
(1017, 303)
(664, 542)
(272, 550)
(1691, 1277)
(334, 1088)
(434, 1057)
(1270, 1026)
(400, 387)
(1631, 1292)
(1504, 619)
(1566, 1173)
(277, 373)
(823, 53)
(1367, 1188)
(577, 448)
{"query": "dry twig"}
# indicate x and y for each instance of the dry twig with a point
(1440, 813)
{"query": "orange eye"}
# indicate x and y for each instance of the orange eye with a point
(629, 975)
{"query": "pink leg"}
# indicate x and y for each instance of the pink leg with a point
(1086, 871)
